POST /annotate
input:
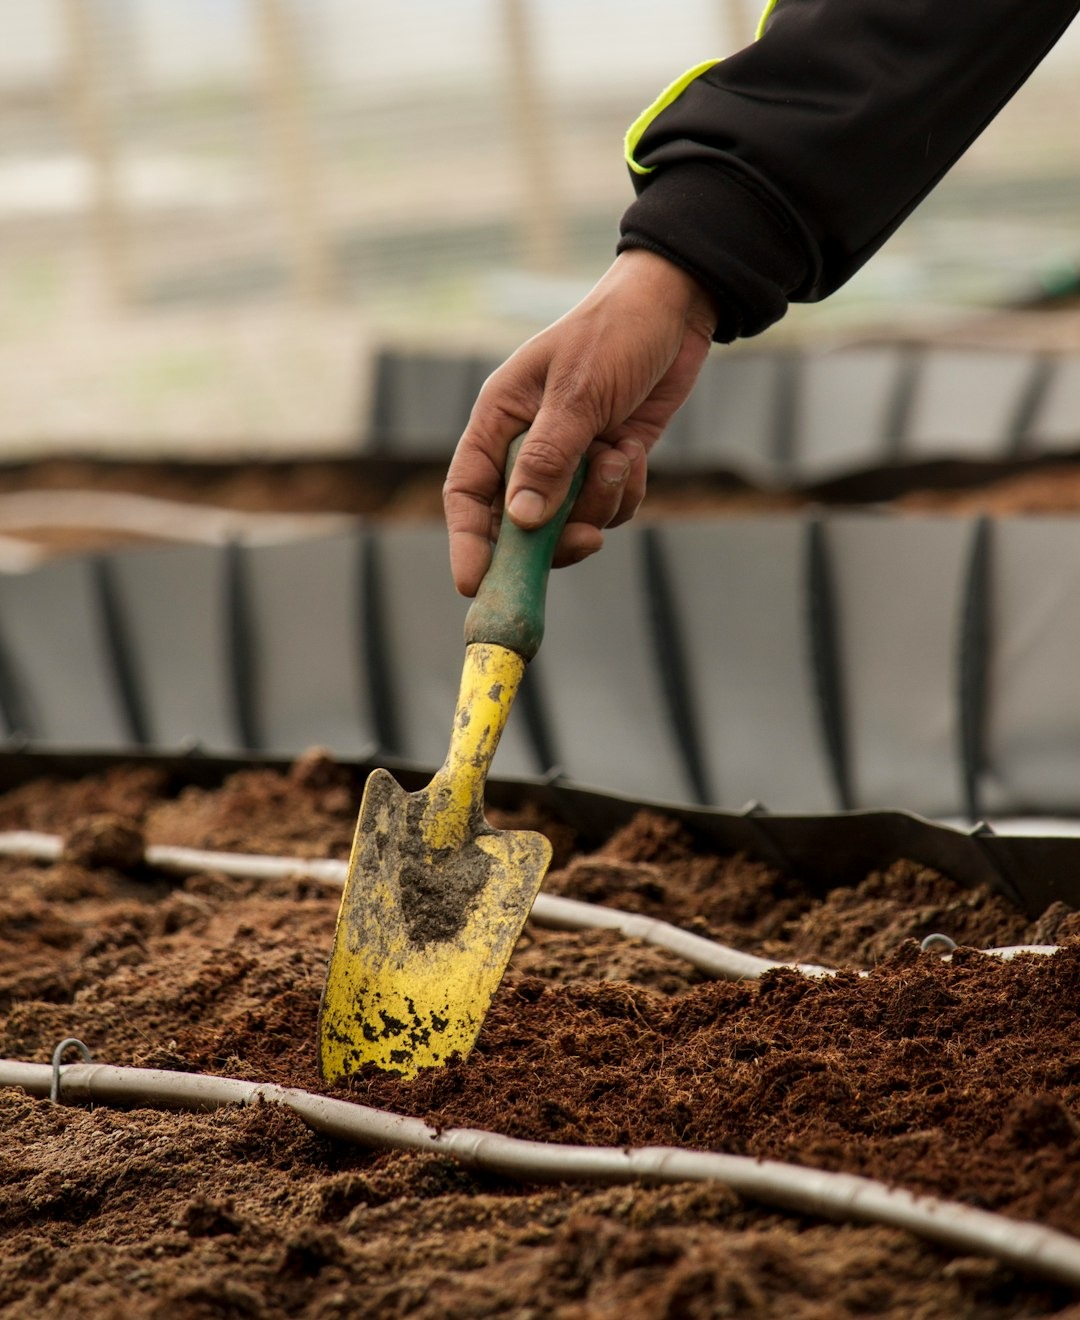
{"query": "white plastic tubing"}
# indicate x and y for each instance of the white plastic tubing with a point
(143, 515)
(838, 1196)
(550, 910)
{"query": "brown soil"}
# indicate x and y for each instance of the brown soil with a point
(304, 486)
(394, 491)
(957, 1079)
(1053, 489)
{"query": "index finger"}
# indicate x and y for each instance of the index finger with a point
(545, 466)
(473, 490)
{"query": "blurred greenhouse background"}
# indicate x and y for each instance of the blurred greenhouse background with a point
(213, 212)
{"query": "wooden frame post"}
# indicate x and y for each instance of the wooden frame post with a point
(293, 148)
(543, 232)
(86, 95)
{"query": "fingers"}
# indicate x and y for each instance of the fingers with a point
(578, 541)
(473, 492)
(614, 488)
(545, 466)
(614, 484)
(604, 380)
(633, 488)
(469, 494)
(471, 533)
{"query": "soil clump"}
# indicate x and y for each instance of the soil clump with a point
(956, 1079)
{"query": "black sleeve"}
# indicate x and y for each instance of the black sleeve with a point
(773, 175)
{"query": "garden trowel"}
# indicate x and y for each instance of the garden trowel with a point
(435, 898)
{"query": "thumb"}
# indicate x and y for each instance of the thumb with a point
(543, 471)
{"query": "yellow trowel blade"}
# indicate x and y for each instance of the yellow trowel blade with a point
(435, 898)
(422, 938)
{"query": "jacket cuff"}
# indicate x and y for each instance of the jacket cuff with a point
(726, 232)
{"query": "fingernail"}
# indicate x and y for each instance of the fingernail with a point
(613, 470)
(527, 507)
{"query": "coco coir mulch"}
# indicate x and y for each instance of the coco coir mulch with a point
(960, 1080)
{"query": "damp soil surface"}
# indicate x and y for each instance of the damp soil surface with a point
(954, 1079)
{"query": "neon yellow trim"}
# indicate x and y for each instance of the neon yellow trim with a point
(764, 19)
(637, 129)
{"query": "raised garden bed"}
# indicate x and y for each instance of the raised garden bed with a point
(917, 656)
(950, 1079)
(410, 488)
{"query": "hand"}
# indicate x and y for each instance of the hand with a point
(604, 380)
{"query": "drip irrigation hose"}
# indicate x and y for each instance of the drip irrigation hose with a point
(17, 556)
(549, 910)
(1029, 1247)
(157, 518)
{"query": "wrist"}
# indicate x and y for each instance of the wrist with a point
(673, 286)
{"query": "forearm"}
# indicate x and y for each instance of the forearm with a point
(775, 174)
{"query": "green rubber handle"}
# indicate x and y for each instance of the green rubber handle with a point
(509, 607)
